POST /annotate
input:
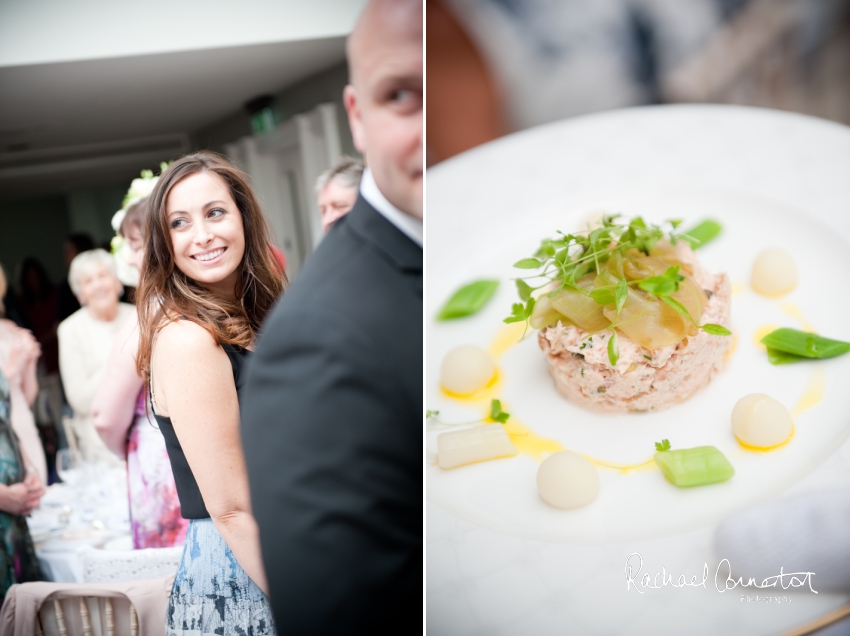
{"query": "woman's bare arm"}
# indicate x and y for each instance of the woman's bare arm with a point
(193, 385)
(114, 404)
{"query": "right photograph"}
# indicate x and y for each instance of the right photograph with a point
(637, 350)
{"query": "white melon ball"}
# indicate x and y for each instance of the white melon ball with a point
(774, 272)
(567, 480)
(466, 369)
(760, 421)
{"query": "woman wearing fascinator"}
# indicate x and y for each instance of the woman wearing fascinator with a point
(119, 410)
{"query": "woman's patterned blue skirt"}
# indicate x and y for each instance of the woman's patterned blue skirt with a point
(211, 592)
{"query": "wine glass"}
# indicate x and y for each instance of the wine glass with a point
(69, 466)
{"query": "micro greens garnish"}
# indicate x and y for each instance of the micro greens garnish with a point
(613, 350)
(662, 446)
(496, 414)
(562, 261)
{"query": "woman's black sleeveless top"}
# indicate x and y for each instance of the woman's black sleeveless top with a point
(191, 502)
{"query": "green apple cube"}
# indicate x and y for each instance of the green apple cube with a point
(694, 466)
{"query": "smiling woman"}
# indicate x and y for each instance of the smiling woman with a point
(85, 340)
(208, 279)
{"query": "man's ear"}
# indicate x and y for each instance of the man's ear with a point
(355, 122)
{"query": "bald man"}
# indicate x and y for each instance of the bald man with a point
(332, 408)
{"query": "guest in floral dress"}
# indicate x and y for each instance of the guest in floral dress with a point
(119, 407)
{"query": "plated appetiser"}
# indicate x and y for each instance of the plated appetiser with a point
(629, 320)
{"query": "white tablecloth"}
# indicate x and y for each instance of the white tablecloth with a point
(483, 582)
(94, 514)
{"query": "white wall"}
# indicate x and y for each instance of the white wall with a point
(45, 31)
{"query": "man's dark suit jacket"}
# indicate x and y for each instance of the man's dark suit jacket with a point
(332, 429)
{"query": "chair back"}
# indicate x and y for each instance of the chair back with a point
(112, 566)
(128, 608)
(69, 615)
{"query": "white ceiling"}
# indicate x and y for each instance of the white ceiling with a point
(45, 31)
(48, 110)
(91, 88)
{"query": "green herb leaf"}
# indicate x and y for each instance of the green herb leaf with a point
(468, 300)
(527, 263)
(663, 285)
(620, 295)
(664, 445)
(678, 307)
(775, 356)
(520, 312)
(613, 350)
(702, 233)
(602, 296)
(715, 330)
(430, 414)
(523, 289)
(807, 345)
(496, 412)
(517, 313)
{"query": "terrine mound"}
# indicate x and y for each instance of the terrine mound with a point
(642, 379)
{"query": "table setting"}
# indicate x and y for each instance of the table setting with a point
(499, 560)
(87, 510)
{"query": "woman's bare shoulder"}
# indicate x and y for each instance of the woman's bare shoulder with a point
(184, 338)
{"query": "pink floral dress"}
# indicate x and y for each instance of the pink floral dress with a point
(154, 508)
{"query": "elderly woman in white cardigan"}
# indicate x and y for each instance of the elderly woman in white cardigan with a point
(85, 340)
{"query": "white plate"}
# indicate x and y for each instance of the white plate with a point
(502, 494)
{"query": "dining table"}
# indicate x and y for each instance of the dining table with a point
(501, 565)
(91, 512)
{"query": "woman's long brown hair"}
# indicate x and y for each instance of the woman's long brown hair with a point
(165, 293)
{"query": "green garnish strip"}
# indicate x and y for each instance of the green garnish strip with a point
(796, 344)
(468, 300)
(554, 258)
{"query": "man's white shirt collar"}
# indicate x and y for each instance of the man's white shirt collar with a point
(408, 225)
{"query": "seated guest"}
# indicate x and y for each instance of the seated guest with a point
(337, 189)
(85, 340)
(124, 422)
(23, 385)
(20, 492)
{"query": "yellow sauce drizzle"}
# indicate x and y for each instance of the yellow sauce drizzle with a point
(761, 332)
(528, 442)
(813, 393)
(794, 311)
(484, 393)
(507, 337)
(767, 449)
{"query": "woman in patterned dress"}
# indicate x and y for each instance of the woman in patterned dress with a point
(208, 280)
(124, 422)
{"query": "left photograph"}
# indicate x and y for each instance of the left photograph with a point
(211, 246)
